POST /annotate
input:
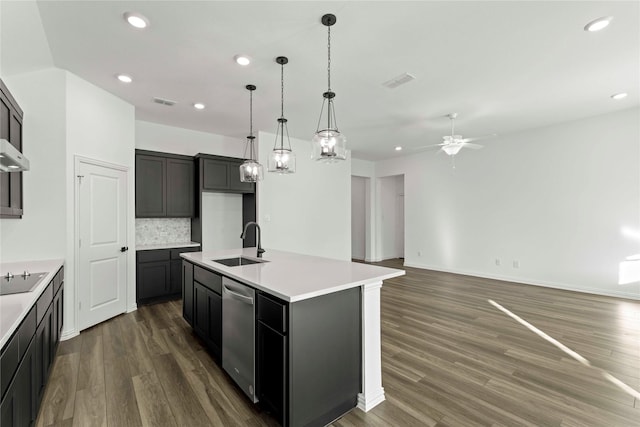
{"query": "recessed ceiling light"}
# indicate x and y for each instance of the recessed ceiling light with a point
(136, 20)
(124, 78)
(243, 60)
(398, 148)
(598, 24)
(619, 95)
(199, 106)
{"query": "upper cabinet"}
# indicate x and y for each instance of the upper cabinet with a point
(11, 130)
(165, 185)
(221, 174)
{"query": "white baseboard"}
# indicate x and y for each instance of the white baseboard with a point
(134, 307)
(372, 400)
(67, 335)
(519, 280)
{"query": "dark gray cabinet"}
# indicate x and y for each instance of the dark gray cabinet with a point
(11, 116)
(221, 174)
(27, 358)
(165, 185)
(207, 308)
(187, 292)
(271, 352)
(307, 355)
(158, 274)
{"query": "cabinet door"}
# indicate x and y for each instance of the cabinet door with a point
(43, 356)
(180, 188)
(207, 317)
(187, 292)
(151, 189)
(57, 321)
(153, 279)
(10, 183)
(233, 173)
(175, 285)
(272, 363)
(214, 175)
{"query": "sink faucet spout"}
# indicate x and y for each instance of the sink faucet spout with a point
(244, 233)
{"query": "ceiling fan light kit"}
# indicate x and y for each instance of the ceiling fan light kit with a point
(328, 144)
(250, 169)
(282, 159)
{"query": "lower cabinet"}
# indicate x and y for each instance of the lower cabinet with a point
(207, 317)
(271, 370)
(307, 353)
(159, 274)
(187, 292)
(28, 356)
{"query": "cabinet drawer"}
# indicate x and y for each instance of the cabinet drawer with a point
(209, 279)
(272, 313)
(44, 301)
(175, 253)
(156, 255)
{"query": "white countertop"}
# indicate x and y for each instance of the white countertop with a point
(166, 246)
(294, 277)
(14, 307)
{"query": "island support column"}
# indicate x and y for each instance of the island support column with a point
(372, 392)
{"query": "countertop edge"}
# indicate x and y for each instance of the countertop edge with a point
(33, 295)
(225, 271)
(159, 246)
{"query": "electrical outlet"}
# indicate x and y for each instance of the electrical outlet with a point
(498, 262)
(516, 264)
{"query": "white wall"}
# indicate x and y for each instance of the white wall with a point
(170, 139)
(358, 217)
(562, 201)
(100, 126)
(221, 221)
(42, 231)
(308, 212)
(65, 116)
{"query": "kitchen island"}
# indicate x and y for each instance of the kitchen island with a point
(317, 323)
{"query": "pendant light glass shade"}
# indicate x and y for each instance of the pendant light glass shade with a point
(282, 159)
(329, 145)
(251, 170)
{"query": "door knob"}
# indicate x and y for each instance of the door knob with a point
(124, 249)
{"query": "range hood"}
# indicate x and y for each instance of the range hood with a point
(11, 160)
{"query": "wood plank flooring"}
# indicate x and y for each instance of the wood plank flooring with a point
(450, 358)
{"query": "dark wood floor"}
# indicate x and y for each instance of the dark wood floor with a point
(450, 358)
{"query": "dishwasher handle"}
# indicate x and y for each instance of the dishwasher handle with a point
(237, 296)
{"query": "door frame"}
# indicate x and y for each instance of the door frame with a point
(130, 305)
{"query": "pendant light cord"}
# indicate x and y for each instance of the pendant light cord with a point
(329, 58)
(251, 125)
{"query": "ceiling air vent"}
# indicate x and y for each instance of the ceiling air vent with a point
(163, 101)
(398, 80)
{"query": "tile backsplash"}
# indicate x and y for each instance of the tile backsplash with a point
(151, 231)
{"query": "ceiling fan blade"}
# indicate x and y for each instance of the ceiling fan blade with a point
(471, 145)
(427, 147)
(477, 138)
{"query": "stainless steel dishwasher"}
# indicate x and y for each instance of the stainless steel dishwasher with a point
(238, 334)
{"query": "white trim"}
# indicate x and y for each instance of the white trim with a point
(78, 160)
(530, 282)
(132, 308)
(372, 391)
(67, 335)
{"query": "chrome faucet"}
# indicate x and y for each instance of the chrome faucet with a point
(244, 232)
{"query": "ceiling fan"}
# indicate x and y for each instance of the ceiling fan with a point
(453, 143)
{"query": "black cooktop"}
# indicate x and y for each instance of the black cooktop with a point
(20, 283)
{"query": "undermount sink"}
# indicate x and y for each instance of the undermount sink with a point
(236, 261)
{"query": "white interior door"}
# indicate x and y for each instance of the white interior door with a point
(102, 268)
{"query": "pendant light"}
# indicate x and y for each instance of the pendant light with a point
(250, 170)
(282, 160)
(329, 145)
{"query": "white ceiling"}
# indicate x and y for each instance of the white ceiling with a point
(503, 66)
